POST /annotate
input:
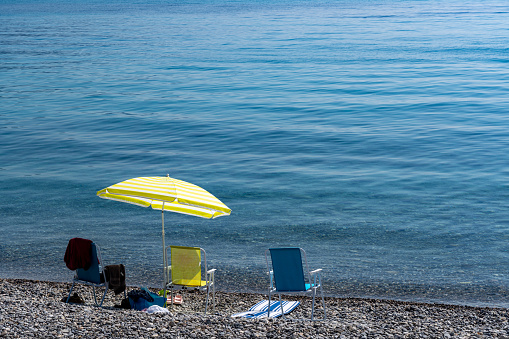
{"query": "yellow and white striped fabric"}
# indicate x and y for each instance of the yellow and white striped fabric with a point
(176, 195)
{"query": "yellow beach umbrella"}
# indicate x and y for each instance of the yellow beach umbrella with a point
(166, 194)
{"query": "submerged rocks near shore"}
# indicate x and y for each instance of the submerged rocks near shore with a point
(32, 309)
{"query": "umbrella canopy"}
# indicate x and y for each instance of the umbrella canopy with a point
(166, 194)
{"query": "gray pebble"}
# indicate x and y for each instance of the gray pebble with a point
(33, 309)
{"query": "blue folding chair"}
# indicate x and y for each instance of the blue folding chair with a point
(92, 275)
(287, 275)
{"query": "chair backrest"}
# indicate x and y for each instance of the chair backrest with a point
(92, 274)
(287, 268)
(186, 265)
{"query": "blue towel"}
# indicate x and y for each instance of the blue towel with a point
(260, 309)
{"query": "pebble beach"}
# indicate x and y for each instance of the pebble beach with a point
(33, 309)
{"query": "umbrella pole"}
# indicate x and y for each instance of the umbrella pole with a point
(165, 265)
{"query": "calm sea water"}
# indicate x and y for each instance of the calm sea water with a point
(374, 134)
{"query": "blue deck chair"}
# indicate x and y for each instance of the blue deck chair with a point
(287, 275)
(92, 276)
(185, 272)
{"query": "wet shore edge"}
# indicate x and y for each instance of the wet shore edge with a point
(31, 308)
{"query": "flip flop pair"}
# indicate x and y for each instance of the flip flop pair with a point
(176, 300)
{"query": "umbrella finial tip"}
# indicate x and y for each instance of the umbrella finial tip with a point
(167, 175)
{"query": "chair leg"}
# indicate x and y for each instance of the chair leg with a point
(268, 309)
(95, 298)
(214, 295)
(164, 295)
(281, 304)
(313, 305)
(323, 303)
(171, 298)
(207, 301)
(102, 300)
(69, 296)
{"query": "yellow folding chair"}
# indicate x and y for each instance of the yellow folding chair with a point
(185, 272)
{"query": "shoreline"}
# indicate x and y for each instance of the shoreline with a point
(31, 308)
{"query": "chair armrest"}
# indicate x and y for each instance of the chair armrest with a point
(315, 271)
(167, 275)
(210, 276)
(271, 278)
(313, 275)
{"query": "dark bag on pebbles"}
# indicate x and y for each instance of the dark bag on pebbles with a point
(125, 304)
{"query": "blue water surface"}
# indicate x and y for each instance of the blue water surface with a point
(373, 134)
